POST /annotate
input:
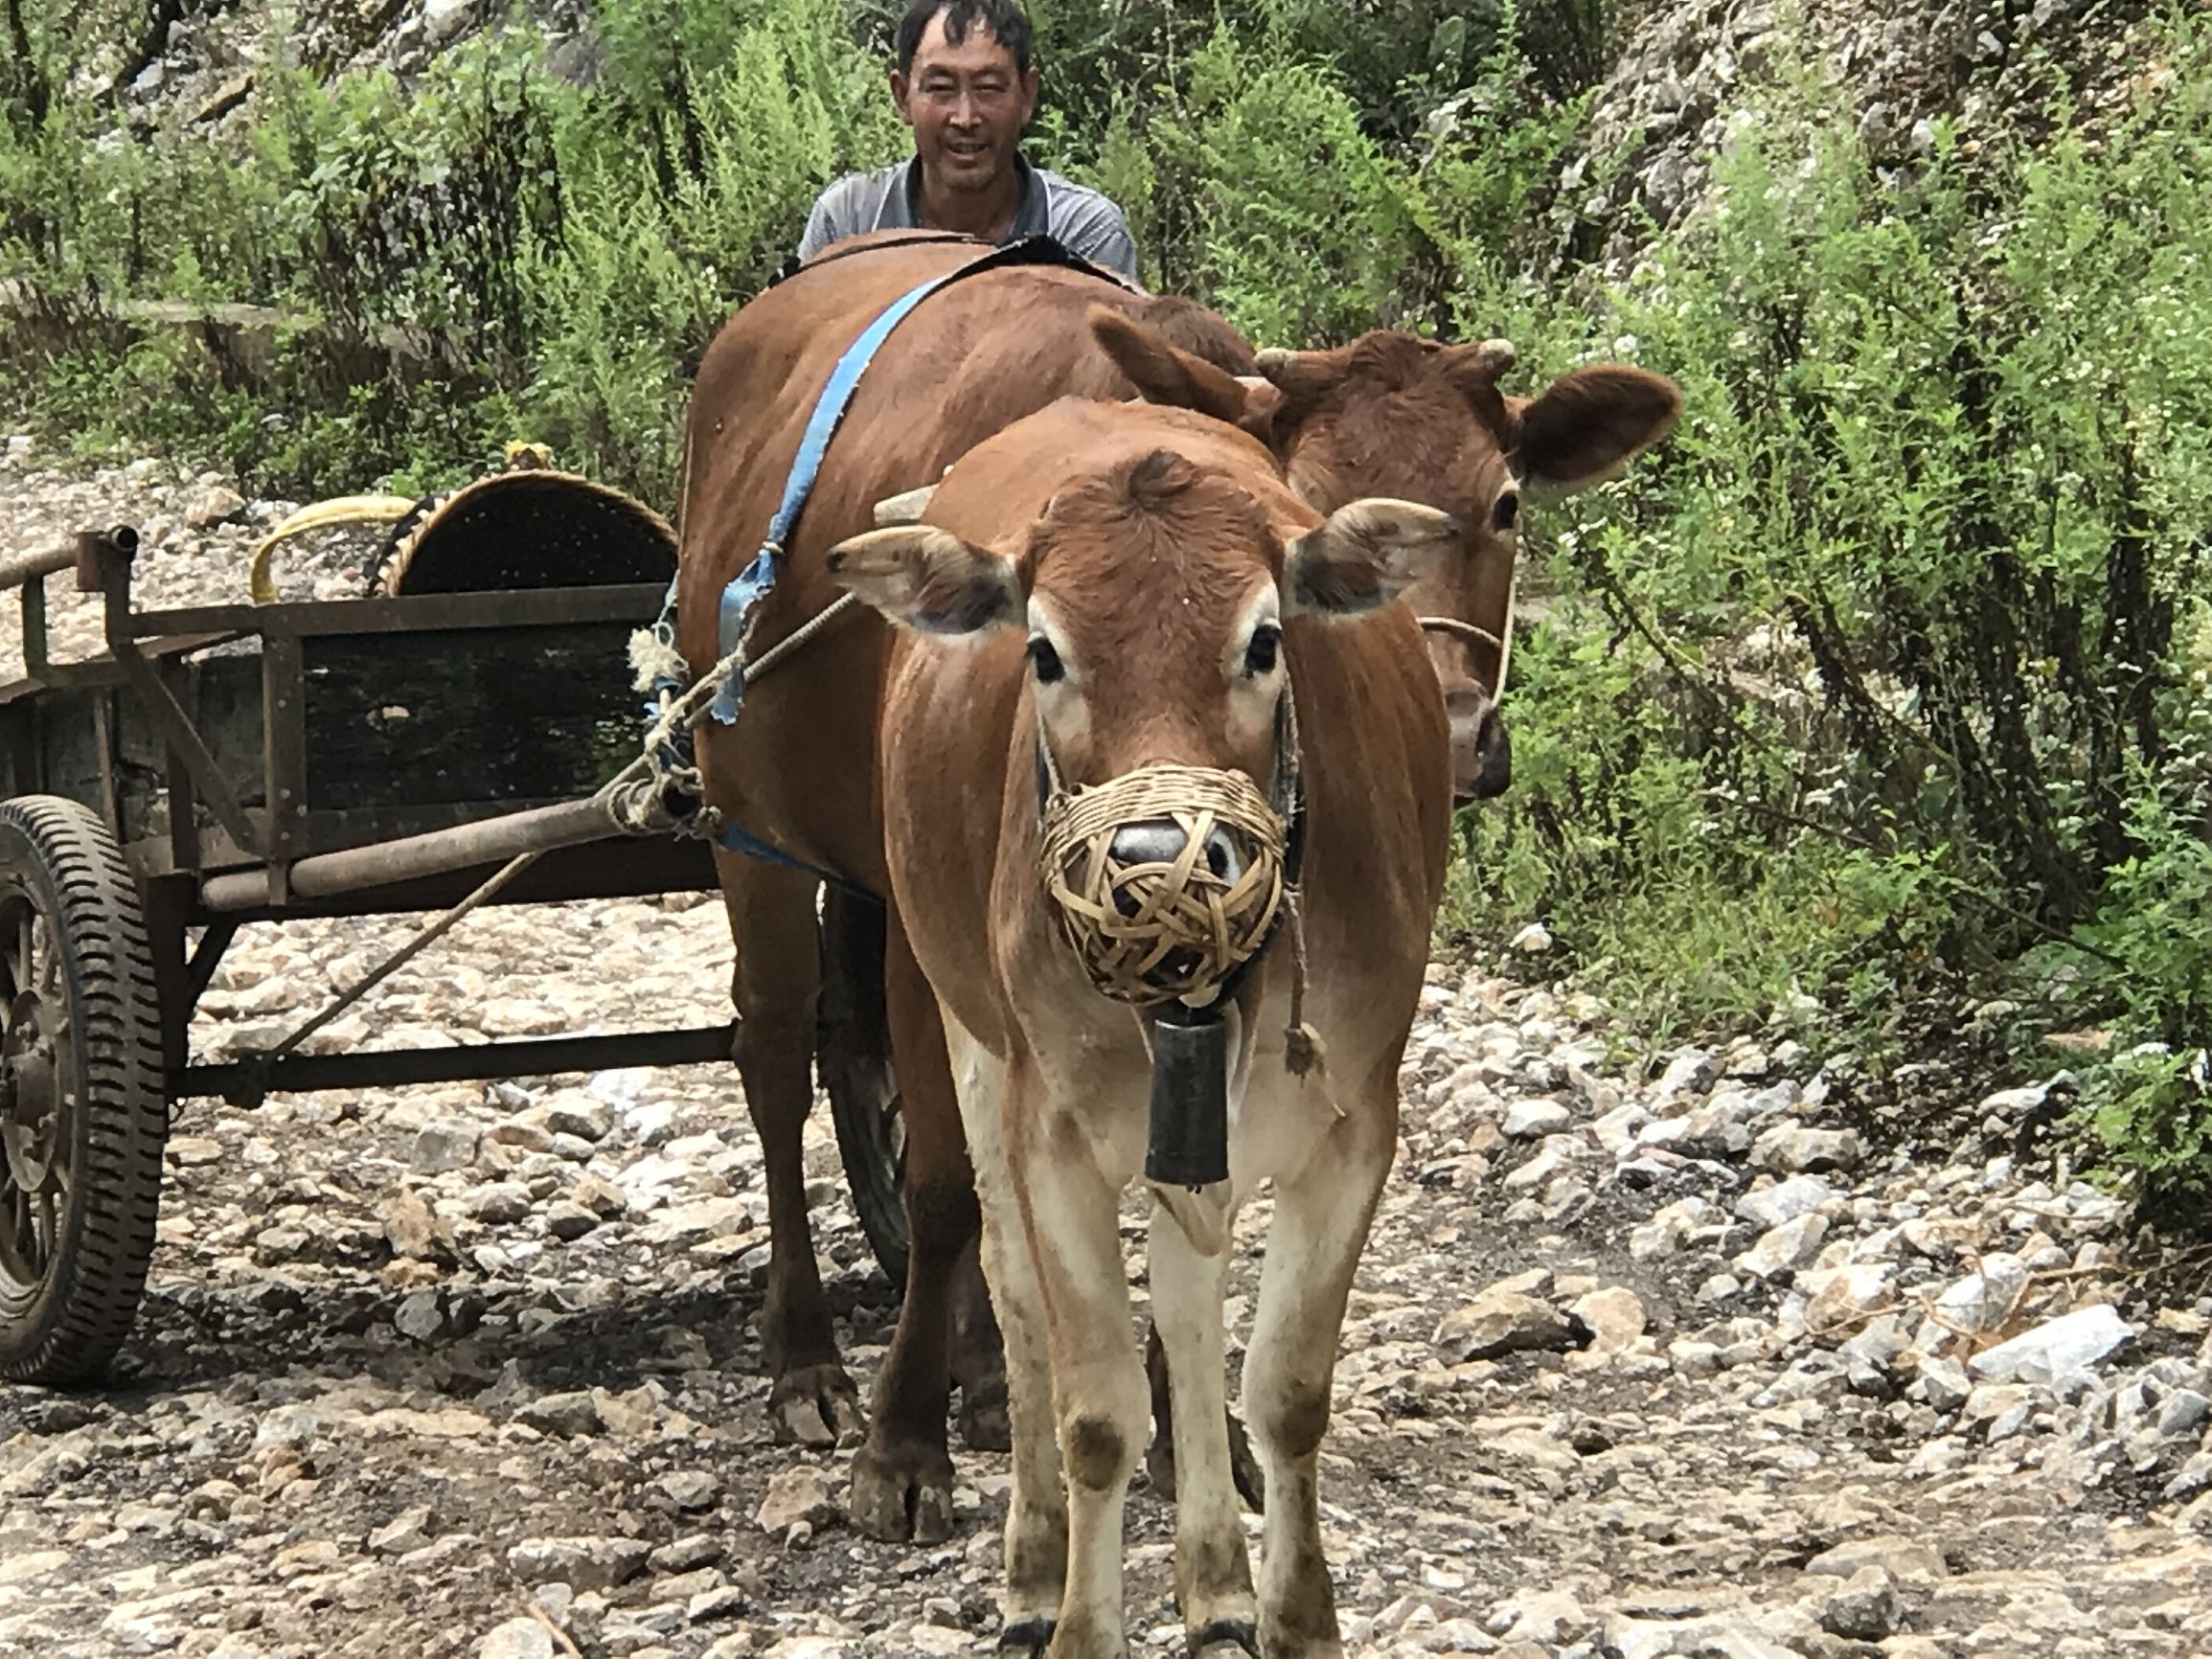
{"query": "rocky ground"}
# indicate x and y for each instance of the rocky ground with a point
(1650, 1354)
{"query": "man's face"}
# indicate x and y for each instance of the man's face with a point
(967, 104)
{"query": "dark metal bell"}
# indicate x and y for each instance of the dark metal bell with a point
(1189, 1144)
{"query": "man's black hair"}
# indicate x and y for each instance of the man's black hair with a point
(1007, 21)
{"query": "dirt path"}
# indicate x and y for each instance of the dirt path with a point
(1648, 1357)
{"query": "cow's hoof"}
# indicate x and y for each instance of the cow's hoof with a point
(984, 1425)
(1226, 1638)
(1028, 1638)
(815, 1405)
(903, 1493)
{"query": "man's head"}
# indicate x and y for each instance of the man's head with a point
(965, 84)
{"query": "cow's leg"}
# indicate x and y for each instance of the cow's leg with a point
(1213, 1574)
(903, 1477)
(775, 985)
(1160, 1457)
(1321, 1220)
(978, 1361)
(1037, 1513)
(1070, 1214)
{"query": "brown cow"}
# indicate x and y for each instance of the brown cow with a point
(1134, 588)
(1390, 414)
(797, 768)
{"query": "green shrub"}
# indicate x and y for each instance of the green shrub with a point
(1889, 675)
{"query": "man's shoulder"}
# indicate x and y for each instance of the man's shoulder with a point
(1063, 195)
(861, 195)
(1087, 222)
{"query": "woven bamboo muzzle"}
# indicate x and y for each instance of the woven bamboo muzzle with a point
(1149, 932)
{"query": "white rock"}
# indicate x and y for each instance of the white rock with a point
(1784, 1249)
(1980, 1301)
(1837, 1298)
(2072, 1342)
(1547, 1616)
(1690, 1072)
(1944, 1384)
(800, 1493)
(1784, 1201)
(445, 1144)
(689, 1489)
(212, 506)
(1908, 1561)
(1794, 1148)
(1615, 1316)
(443, 19)
(518, 1639)
(1552, 1160)
(1499, 1322)
(2014, 1102)
(591, 1563)
(409, 1531)
(1528, 1120)
(1534, 940)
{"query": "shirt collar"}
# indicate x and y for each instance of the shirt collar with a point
(1032, 218)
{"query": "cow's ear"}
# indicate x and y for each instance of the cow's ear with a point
(1179, 380)
(1589, 424)
(1364, 555)
(925, 577)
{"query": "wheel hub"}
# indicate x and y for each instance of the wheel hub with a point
(31, 1101)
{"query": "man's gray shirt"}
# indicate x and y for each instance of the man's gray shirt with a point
(1078, 218)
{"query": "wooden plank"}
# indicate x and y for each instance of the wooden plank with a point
(490, 714)
(632, 603)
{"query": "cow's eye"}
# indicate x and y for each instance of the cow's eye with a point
(1265, 649)
(1508, 510)
(1050, 669)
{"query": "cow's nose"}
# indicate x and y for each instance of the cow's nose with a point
(1161, 841)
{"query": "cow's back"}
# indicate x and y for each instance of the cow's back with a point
(969, 362)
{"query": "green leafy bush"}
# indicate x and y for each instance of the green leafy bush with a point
(1888, 677)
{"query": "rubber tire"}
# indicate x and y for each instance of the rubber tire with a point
(62, 856)
(852, 1052)
(875, 1171)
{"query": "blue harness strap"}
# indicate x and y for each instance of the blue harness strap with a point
(753, 583)
(740, 598)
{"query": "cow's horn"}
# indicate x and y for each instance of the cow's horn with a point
(1496, 356)
(906, 508)
(1273, 360)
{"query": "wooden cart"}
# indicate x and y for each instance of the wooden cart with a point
(226, 765)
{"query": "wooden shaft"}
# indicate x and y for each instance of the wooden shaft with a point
(18, 568)
(542, 829)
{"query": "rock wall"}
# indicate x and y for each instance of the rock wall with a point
(1690, 68)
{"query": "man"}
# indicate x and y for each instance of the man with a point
(965, 84)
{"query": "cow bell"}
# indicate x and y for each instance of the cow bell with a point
(1188, 1144)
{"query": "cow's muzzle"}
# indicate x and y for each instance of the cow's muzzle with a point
(1481, 748)
(1167, 879)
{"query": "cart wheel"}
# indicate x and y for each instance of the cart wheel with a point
(82, 1110)
(872, 1142)
(853, 1051)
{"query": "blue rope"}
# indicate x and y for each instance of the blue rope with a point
(754, 583)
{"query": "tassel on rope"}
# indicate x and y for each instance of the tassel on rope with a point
(1303, 1050)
